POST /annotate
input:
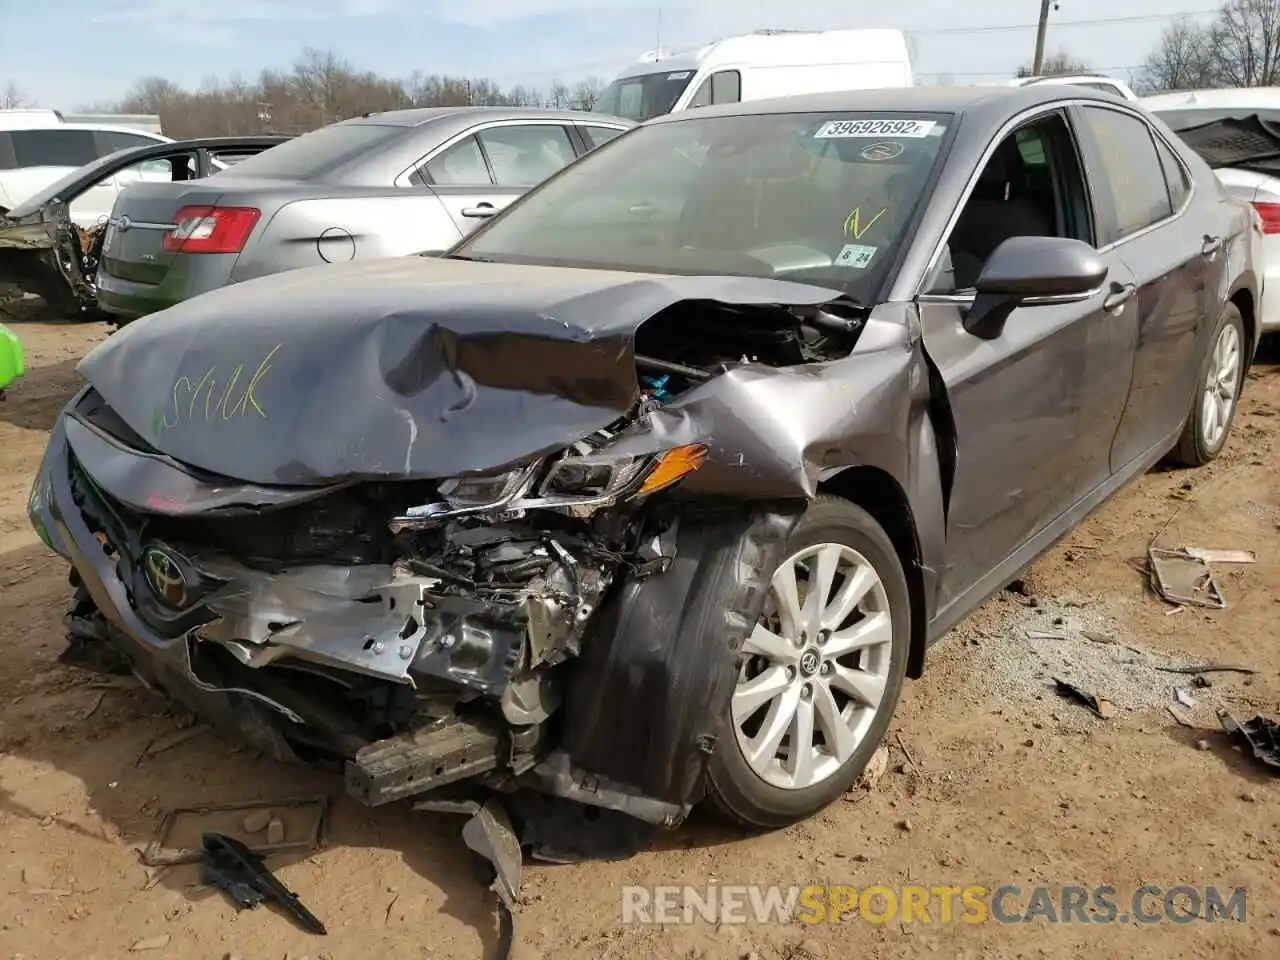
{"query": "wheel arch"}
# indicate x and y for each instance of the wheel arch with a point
(877, 492)
(1245, 302)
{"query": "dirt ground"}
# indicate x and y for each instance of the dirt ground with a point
(1002, 781)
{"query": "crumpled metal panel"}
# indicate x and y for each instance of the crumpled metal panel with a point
(314, 613)
(408, 368)
(778, 432)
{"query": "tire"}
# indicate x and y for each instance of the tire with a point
(734, 785)
(1199, 444)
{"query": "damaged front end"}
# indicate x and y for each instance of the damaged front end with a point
(501, 602)
(44, 252)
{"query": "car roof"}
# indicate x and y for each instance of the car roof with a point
(417, 116)
(1229, 99)
(93, 127)
(986, 103)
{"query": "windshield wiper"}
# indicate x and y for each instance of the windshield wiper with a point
(466, 256)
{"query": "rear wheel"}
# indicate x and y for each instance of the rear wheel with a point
(821, 674)
(1218, 390)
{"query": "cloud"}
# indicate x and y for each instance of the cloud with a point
(157, 13)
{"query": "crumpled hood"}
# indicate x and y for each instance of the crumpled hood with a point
(413, 367)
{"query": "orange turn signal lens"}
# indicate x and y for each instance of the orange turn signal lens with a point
(672, 465)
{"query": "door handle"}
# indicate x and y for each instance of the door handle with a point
(1211, 246)
(1121, 293)
(480, 211)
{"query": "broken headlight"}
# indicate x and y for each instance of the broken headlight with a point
(479, 490)
(575, 481)
(599, 476)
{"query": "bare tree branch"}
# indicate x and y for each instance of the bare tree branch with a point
(13, 97)
(1184, 59)
(1056, 65)
(1246, 43)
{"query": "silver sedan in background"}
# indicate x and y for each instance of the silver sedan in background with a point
(382, 185)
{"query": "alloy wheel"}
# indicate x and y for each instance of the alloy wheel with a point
(1221, 385)
(815, 667)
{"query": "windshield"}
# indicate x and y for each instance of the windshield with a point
(316, 154)
(643, 97)
(815, 198)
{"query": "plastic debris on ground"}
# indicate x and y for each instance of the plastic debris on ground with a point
(1262, 735)
(1101, 706)
(239, 872)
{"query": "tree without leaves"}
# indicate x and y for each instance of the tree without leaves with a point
(13, 97)
(1239, 48)
(1246, 43)
(1058, 64)
(322, 88)
(1182, 60)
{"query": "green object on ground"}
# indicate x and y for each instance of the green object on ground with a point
(10, 357)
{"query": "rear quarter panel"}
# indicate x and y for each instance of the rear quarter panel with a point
(307, 232)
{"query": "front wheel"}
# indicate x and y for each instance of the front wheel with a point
(820, 676)
(1218, 390)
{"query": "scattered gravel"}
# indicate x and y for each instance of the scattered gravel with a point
(1022, 648)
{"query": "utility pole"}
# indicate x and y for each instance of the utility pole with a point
(1041, 29)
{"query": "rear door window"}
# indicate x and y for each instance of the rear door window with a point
(1175, 175)
(599, 136)
(1125, 174)
(524, 155)
(462, 165)
(53, 148)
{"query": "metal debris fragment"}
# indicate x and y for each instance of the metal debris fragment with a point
(1185, 698)
(489, 833)
(1262, 735)
(1221, 556)
(1182, 579)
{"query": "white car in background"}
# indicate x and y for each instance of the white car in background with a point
(1237, 132)
(1094, 81)
(38, 148)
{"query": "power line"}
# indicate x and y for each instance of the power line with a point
(1007, 73)
(1058, 24)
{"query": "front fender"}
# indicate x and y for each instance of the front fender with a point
(647, 698)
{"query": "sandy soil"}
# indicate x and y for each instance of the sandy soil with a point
(1007, 783)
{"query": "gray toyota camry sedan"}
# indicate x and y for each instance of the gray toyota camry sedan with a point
(656, 487)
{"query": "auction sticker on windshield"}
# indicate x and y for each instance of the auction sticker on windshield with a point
(855, 255)
(839, 129)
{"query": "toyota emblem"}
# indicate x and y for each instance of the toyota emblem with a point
(809, 662)
(165, 577)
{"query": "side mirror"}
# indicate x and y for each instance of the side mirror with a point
(1029, 270)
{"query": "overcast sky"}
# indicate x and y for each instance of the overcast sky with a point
(67, 52)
